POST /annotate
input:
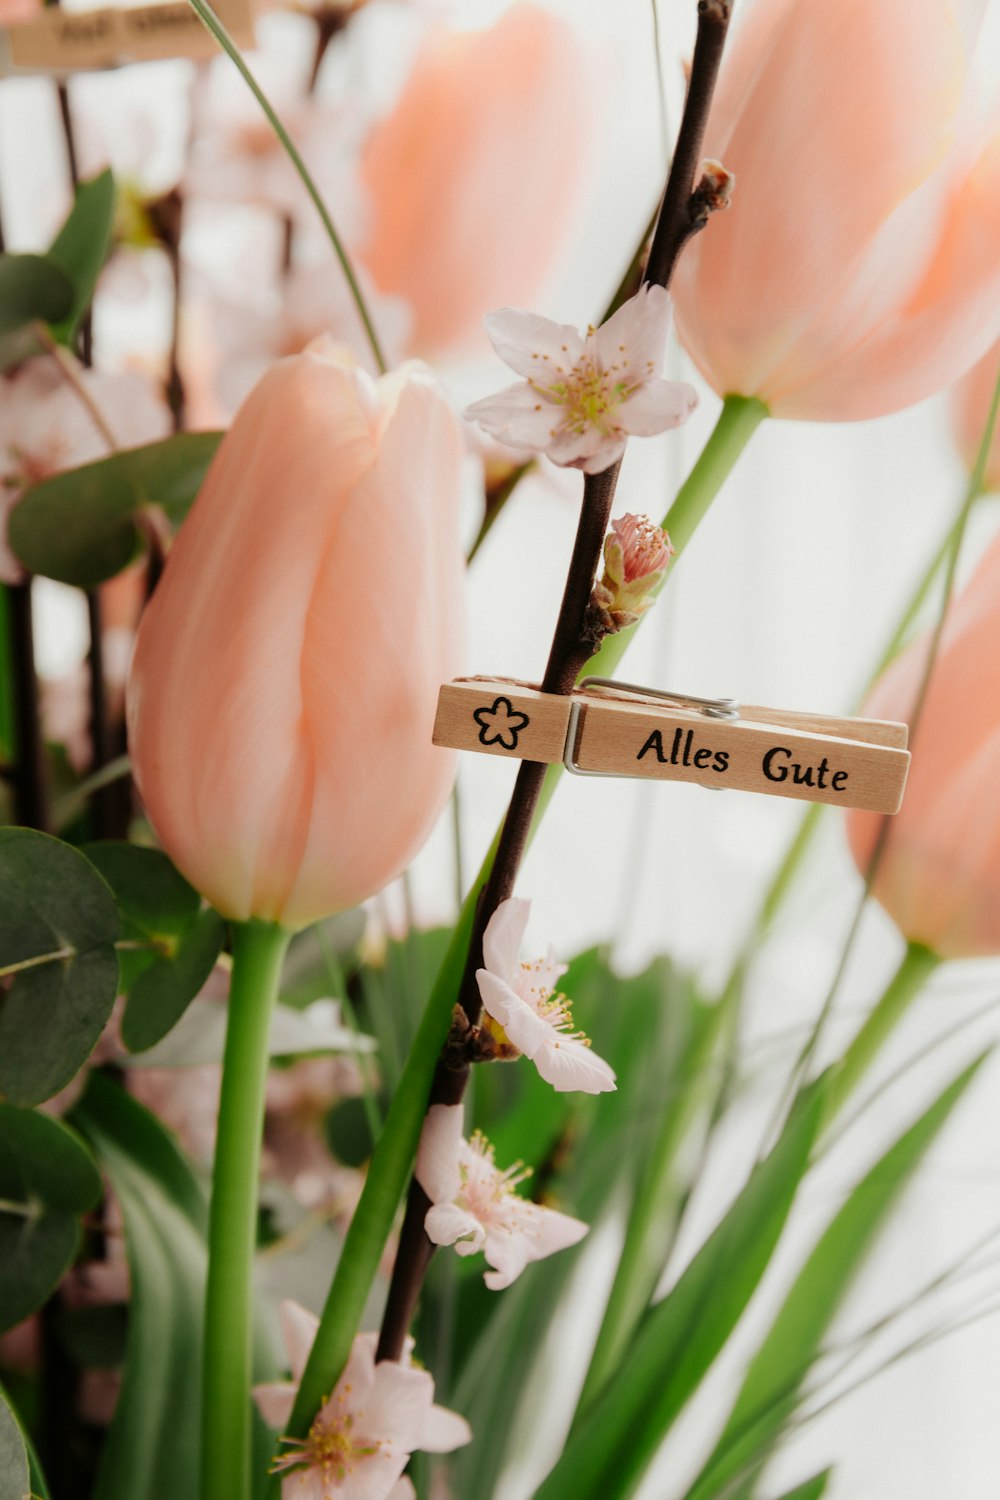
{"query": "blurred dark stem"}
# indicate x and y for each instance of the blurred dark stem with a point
(29, 779)
(166, 215)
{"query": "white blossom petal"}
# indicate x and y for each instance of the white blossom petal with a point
(275, 1402)
(503, 937)
(570, 1066)
(659, 405)
(635, 337)
(508, 1254)
(445, 1224)
(437, 1168)
(444, 1431)
(517, 417)
(552, 1231)
(397, 1405)
(528, 1031)
(298, 1329)
(529, 343)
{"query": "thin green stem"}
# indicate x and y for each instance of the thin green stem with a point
(738, 421)
(258, 953)
(33, 963)
(211, 21)
(909, 979)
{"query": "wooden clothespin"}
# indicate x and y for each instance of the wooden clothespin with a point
(607, 728)
(61, 41)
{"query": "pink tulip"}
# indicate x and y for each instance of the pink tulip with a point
(284, 685)
(939, 876)
(476, 174)
(857, 271)
(970, 408)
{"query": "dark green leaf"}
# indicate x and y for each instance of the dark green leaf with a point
(348, 1133)
(683, 1334)
(769, 1393)
(93, 1337)
(52, 901)
(32, 289)
(813, 1489)
(152, 1452)
(81, 247)
(47, 1179)
(13, 1456)
(157, 907)
(152, 1447)
(79, 526)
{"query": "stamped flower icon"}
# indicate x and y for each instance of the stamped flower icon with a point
(501, 724)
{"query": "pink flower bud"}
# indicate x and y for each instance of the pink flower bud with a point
(283, 691)
(939, 875)
(856, 271)
(644, 548)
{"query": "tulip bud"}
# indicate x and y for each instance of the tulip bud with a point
(636, 555)
(856, 272)
(283, 691)
(939, 873)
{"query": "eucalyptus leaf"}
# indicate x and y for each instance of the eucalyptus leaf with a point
(14, 1479)
(58, 916)
(80, 526)
(769, 1394)
(159, 908)
(47, 1179)
(682, 1335)
(32, 289)
(81, 247)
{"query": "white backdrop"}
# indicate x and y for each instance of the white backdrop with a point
(786, 596)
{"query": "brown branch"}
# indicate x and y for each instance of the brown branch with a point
(566, 656)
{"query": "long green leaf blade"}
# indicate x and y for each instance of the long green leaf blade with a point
(770, 1390)
(684, 1333)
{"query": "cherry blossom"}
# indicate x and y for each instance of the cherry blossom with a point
(474, 1205)
(364, 1433)
(583, 396)
(534, 1017)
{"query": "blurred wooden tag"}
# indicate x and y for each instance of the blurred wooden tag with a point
(618, 729)
(67, 41)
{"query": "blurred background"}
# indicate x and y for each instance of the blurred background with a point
(787, 596)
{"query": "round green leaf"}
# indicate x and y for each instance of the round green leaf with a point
(58, 916)
(14, 1482)
(47, 1178)
(82, 245)
(32, 288)
(159, 908)
(79, 526)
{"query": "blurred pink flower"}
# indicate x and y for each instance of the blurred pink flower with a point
(46, 427)
(364, 1433)
(311, 303)
(584, 395)
(537, 1020)
(971, 399)
(857, 270)
(476, 175)
(939, 874)
(475, 1206)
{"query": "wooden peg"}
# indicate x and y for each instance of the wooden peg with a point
(611, 730)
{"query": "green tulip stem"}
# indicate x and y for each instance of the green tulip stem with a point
(258, 953)
(909, 979)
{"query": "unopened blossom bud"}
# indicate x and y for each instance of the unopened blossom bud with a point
(637, 553)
